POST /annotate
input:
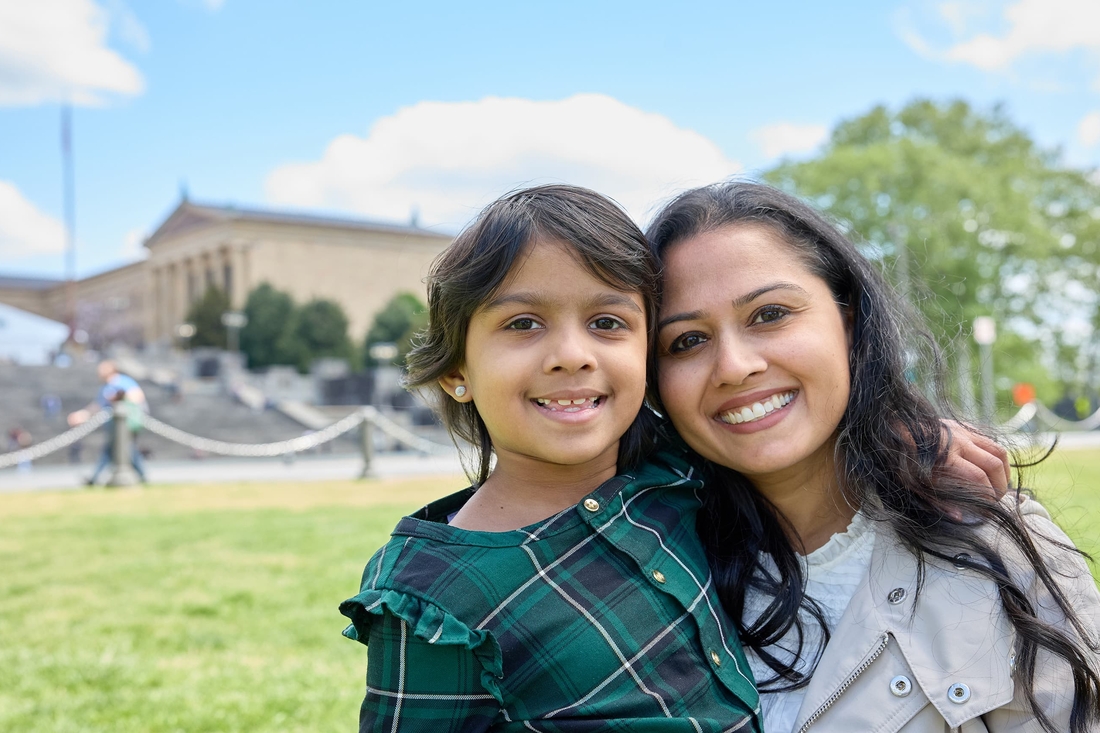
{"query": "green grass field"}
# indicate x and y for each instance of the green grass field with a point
(213, 608)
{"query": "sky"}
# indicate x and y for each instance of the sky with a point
(428, 110)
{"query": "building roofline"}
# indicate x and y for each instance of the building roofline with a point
(228, 212)
(23, 282)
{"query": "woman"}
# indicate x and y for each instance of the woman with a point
(874, 592)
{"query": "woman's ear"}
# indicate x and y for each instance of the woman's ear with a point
(455, 385)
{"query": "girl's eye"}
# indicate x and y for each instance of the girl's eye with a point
(686, 342)
(770, 314)
(607, 323)
(524, 324)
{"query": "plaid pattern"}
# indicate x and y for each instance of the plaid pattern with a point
(593, 620)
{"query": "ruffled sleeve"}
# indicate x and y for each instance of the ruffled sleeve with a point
(426, 621)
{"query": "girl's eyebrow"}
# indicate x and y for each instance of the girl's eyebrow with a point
(738, 302)
(537, 300)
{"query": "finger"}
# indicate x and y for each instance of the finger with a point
(997, 461)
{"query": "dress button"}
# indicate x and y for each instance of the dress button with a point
(592, 505)
(1012, 663)
(896, 596)
(958, 693)
(715, 658)
(658, 576)
(901, 686)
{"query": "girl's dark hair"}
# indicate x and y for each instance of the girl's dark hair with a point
(890, 445)
(471, 270)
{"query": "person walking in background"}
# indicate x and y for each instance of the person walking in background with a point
(116, 386)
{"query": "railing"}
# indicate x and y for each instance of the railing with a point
(365, 418)
(368, 418)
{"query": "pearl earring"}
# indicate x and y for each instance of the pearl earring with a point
(460, 391)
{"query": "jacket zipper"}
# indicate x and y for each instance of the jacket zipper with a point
(878, 650)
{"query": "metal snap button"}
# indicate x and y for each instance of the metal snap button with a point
(658, 576)
(592, 505)
(896, 596)
(715, 658)
(961, 559)
(958, 693)
(1012, 662)
(901, 686)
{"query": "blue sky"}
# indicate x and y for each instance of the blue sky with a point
(381, 110)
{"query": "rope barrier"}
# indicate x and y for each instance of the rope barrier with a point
(244, 450)
(1028, 412)
(55, 443)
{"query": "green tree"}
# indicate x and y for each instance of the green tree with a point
(397, 323)
(270, 312)
(318, 329)
(206, 316)
(969, 217)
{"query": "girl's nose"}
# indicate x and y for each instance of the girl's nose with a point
(570, 351)
(735, 361)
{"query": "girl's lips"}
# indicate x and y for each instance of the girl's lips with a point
(569, 404)
(742, 411)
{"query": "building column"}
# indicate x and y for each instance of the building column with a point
(238, 258)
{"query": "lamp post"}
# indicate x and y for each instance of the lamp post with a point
(234, 321)
(985, 333)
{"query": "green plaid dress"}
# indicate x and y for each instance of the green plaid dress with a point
(601, 618)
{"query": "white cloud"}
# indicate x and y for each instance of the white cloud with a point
(56, 50)
(1088, 130)
(787, 138)
(24, 230)
(448, 159)
(133, 245)
(1031, 27)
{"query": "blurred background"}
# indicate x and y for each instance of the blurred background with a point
(236, 201)
(163, 164)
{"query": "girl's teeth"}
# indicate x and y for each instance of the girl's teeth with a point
(568, 405)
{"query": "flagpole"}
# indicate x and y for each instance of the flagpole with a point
(70, 219)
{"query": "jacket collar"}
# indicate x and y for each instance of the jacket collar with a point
(955, 634)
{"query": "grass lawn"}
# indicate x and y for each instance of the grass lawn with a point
(213, 608)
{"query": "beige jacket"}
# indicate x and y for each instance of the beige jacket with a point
(947, 664)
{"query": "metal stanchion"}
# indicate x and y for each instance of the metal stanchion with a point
(122, 473)
(366, 446)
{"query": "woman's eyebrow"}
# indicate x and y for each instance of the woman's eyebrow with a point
(738, 302)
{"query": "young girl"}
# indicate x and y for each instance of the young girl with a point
(569, 591)
(873, 590)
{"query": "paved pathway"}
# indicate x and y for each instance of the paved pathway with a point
(211, 470)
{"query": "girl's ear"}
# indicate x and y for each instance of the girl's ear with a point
(455, 385)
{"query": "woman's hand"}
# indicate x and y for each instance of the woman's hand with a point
(976, 459)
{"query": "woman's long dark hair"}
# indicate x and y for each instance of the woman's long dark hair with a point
(889, 448)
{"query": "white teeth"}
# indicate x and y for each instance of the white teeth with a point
(568, 405)
(757, 410)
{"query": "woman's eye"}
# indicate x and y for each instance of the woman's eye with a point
(607, 323)
(686, 342)
(524, 324)
(770, 314)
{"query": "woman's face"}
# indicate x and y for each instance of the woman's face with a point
(753, 353)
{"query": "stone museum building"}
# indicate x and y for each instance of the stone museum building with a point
(359, 264)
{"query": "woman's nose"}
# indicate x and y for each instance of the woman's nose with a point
(735, 361)
(570, 350)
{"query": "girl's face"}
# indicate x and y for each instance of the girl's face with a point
(555, 363)
(753, 353)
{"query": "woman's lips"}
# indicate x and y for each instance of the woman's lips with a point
(758, 409)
